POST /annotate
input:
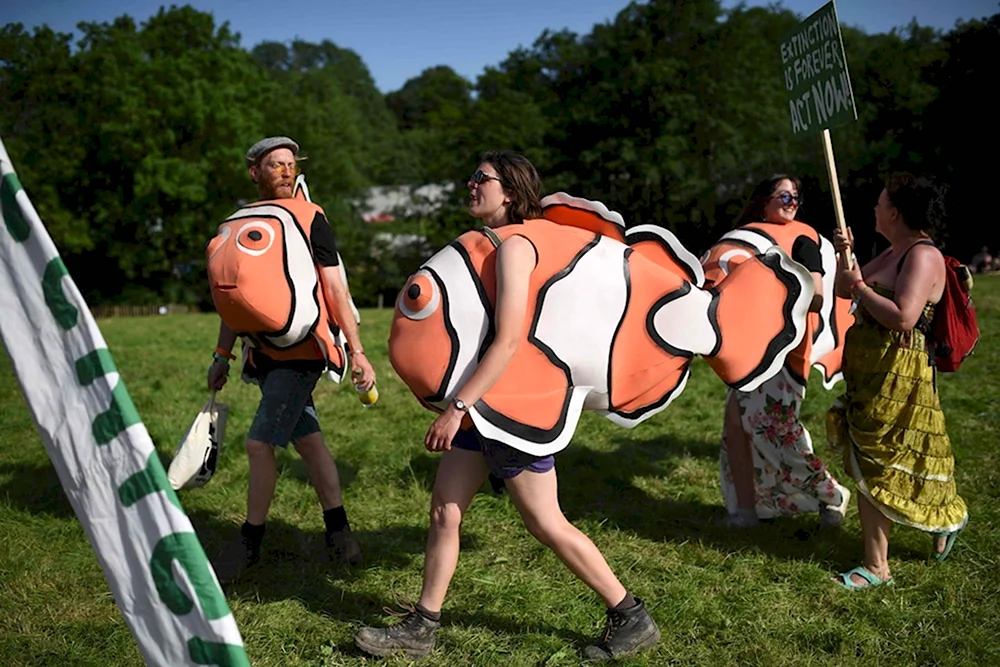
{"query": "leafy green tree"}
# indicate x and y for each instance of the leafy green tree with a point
(40, 90)
(131, 141)
(967, 139)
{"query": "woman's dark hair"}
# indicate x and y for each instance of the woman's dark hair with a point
(754, 212)
(520, 181)
(917, 199)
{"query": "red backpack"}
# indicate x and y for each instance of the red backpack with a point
(954, 331)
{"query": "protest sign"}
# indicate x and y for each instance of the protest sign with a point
(817, 83)
(818, 87)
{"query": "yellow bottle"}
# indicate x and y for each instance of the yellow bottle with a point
(369, 397)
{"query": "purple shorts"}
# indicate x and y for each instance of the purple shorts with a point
(503, 461)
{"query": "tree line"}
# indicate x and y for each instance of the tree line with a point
(130, 140)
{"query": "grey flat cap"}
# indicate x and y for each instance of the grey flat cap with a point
(265, 146)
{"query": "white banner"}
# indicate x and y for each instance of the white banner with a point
(145, 543)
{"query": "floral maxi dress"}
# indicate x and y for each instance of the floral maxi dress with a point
(788, 477)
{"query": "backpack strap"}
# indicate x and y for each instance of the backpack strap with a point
(899, 266)
(492, 236)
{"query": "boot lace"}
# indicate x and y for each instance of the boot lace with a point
(612, 625)
(403, 610)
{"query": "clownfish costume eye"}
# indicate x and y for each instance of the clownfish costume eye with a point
(420, 297)
(254, 238)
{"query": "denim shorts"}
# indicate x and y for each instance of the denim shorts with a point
(286, 411)
(503, 461)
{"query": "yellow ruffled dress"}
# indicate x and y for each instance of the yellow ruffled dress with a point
(891, 427)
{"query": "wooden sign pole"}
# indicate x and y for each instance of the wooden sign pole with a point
(838, 207)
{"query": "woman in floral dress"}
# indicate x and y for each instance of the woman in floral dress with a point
(767, 467)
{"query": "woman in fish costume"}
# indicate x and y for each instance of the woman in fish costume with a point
(767, 467)
(510, 331)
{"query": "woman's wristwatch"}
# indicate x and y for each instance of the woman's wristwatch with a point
(459, 404)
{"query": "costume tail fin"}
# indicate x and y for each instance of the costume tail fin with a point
(744, 327)
(762, 309)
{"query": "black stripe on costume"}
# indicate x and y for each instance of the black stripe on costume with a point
(452, 337)
(477, 280)
(713, 319)
(822, 325)
(627, 274)
(636, 414)
(681, 291)
(784, 338)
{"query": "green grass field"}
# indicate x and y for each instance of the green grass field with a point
(648, 497)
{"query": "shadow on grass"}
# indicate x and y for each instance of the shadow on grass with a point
(291, 466)
(597, 485)
(294, 565)
(36, 490)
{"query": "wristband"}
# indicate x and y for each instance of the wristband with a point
(228, 355)
(220, 359)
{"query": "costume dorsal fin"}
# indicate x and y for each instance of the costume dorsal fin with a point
(564, 209)
(301, 190)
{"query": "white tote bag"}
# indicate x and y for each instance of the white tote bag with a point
(198, 454)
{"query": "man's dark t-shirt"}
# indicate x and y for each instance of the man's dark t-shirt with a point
(324, 245)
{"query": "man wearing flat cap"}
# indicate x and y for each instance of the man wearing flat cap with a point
(287, 377)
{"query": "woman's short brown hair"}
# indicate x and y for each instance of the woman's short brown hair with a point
(520, 181)
(918, 200)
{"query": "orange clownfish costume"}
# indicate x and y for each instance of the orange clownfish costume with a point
(267, 287)
(823, 345)
(614, 319)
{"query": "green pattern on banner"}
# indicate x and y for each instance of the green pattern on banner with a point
(183, 548)
(122, 412)
(213, 653)
(65, 313)
(151, 480)
(94, 365)
(119, 544)
(16, 224)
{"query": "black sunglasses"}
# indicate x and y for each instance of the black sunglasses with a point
(786, 198)
(480, 176)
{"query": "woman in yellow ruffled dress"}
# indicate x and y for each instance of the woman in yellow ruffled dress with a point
(889, 422)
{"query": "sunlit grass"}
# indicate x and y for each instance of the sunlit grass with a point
(649, 497)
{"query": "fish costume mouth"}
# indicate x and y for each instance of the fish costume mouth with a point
(614, 319)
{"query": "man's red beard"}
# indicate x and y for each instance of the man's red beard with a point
(269, 189)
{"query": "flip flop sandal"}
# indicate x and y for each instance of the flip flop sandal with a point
(949, 543)
(864, 573)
